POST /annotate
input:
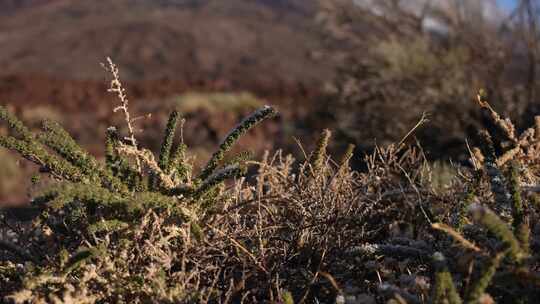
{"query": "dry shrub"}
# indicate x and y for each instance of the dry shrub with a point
(142, 230)
(312, 227)
(281, 232)
(393, 68)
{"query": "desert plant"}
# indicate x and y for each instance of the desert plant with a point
(97, 197)
(502, 147)
(119, 184)
(140, 228)
(401, 59)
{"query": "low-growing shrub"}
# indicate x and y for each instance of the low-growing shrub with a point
(141, 230)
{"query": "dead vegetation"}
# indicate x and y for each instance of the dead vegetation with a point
(141, 229)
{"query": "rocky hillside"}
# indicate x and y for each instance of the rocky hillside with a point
(232, 41)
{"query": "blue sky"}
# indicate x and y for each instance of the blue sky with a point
(507, 4)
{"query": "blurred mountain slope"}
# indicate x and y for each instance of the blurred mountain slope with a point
(260, 40)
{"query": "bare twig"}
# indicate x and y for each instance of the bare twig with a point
(422, 121)
(456, 236)
(148, 158)
(116, 87)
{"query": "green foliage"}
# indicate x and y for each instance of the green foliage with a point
(444, 288)
(15, 125)
(218, 177)
(178, 162)
(35, 153)
(119, 167)
(347, 156)
(287, 298)
(196, 231)
(240, 158)
(166, 146)
(107, 226)
(318, 156)
(58, 139)
(248, 123)
(479, 287)
(500, 229)
(81, 257)
(103, 198)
